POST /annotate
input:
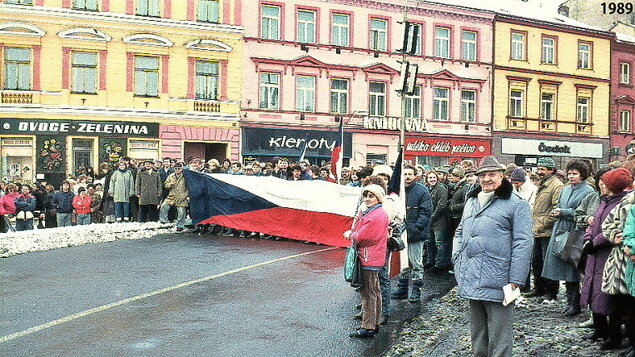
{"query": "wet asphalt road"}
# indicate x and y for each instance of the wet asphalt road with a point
(237, 297)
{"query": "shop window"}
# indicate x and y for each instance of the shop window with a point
(518, 45)
(148, 8)
(378, 34)
(17, 68)
(413, 104)
(340, 29)
(468, 45)
(548, 50)
(305, 94)
(206, 80)
(269, 90)
(440, 103)
(625, 73)
(625, 121)
(208, 11)
(306, 26)
(442, 42)
(376, 159)
(584, 55)
(270, 22)
(339, 96)
(146, 76)
(516, 103)
(84, 72)
(377, 99)
(583, 110)
(547, 106)
(89, 5)
(468, 106)
(143, 149)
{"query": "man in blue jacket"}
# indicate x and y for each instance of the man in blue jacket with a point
(63, 203)
(418, 212)
(492, 248)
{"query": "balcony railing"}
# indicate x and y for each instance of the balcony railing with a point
(206, 107)
(17, 98)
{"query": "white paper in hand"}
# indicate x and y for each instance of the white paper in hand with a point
(511, 294)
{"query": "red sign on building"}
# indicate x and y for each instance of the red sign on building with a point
(419, 146)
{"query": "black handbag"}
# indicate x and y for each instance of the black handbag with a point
(572, 251)
(395, 242)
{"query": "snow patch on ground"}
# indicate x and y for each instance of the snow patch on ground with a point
(13, 243)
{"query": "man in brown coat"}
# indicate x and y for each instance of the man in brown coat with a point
(545, 202)
(177, 197)
(148, 190)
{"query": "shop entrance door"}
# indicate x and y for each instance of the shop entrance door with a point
(215, 151)
(82, 153)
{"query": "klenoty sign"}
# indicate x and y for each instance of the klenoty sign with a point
(76, 127)
(552, 148)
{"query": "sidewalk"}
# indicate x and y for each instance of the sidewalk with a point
(12, 243)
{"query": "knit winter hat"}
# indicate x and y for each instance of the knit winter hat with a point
(617, 180)
(382, 169)
(546, 162)
(489, 163)
(376, 190)
(518, 175)
(458, 172)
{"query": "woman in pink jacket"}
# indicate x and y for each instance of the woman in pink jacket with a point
(7, 206)
(370, 233)
(81, 206)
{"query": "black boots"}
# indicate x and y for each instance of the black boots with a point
(415, 296)
(401, 293)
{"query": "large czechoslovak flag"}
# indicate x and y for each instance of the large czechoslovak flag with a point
(316, 211)
(337, 155)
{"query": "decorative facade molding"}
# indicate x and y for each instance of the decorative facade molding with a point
(21, 29)
(147, 39)
(84, 33)
(625, 99)
(208, 45)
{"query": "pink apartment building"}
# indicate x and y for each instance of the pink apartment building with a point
(622, 123)
(309, 64)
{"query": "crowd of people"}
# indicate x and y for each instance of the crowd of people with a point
(490, 226)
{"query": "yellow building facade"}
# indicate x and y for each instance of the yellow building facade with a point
(551, 91)
(87, 82)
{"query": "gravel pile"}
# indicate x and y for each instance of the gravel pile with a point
(51, 238)
(443, 329)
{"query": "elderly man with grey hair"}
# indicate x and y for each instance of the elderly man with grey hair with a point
(492, 249)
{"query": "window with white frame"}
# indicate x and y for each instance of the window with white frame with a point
(583, 110)
(546, 106)
(468, 106)
(548, 50)
(269, 91)
(625, 72)
(84, 72)
(206, 80)
(340, 29)
(148, 7)
(468, 45)
(90, 5)
(377, 99)
(625, 121)
(270, 22)
(305, 93)
(208, 11)
(339, 96)
(413, 104)
(516, 103)
(17, 68)
(378, 34)
(518, 46)
(146, 76)
(584, 55)
(306, 26)
(442, 42)
(440, 103)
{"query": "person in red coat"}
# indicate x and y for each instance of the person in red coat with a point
(81, 206)
(7, 206)
(370, 233)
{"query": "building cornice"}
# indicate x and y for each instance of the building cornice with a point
(553, 74)
(516, 20)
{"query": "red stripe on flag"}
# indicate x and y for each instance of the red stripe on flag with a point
(318, 227)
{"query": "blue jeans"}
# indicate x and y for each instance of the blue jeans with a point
(180, 215)
(64, 219)
(439, 249)
(83, 219)
(414, 270)
(23, 224)
(384, 286)
(122, 209)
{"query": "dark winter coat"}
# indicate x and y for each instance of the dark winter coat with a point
(492, 245)
(591, 293)
(418, 212)
(24, 203)
(439, 217)
(148, 187)
(63, 201)
(458, 198)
